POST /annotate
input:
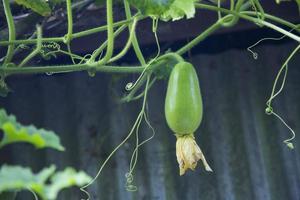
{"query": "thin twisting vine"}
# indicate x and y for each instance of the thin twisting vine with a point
(131, 86)
(135, 127)
(78, 67)
(255, 54)
(284, 68)
(100, 59)
(269, 110)
(134, 157)
(129, 175)
(37, 50)
(142, 115)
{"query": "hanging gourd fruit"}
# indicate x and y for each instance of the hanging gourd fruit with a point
(183, 111)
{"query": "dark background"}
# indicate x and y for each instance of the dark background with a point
(242, 144)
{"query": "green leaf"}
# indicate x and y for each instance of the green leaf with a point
(16, 132)
(179, 9)
(166, 9)
(39, 6)
(67, 178)
(151, 7)
(46, 183)
(18, 178)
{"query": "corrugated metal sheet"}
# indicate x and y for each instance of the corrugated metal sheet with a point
(242, 144)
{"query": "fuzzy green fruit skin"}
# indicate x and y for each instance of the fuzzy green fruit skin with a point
(183, 103)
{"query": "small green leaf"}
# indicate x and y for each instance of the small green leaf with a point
(179, 9)
(46, 183)
(151, 7)
(166, 9)
(18, 178)
(39, 6)
(16, 132)
(64, 179)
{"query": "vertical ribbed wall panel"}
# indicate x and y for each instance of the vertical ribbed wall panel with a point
(243, 145)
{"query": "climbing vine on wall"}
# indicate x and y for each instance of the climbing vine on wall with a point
(183, 118)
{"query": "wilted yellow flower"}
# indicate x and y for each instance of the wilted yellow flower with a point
(189, 153)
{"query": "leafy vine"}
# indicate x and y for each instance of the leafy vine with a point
(103, 58)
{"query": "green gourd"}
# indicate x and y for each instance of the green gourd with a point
(183, 103)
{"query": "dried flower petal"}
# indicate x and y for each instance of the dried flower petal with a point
(189, 153)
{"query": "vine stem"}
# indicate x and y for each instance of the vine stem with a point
(11, 31)
(251, 19)
(274, 27)
(98, 51)
(68, 36)
(134, 41)
(110, 38)
(37, 49)
(128, 43)
(110, 69)
(201, 37)
(269, 110)
(136, 123)
(127, 21)
(83, 188)
(233, 20)
(110, 34)
(279, 73)
(134, 157)
(102, 68)
(160, 61)
(71, 68)
(75, 35)
(275, 19)
(231, 4)
(85, 67)
(219, 12)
